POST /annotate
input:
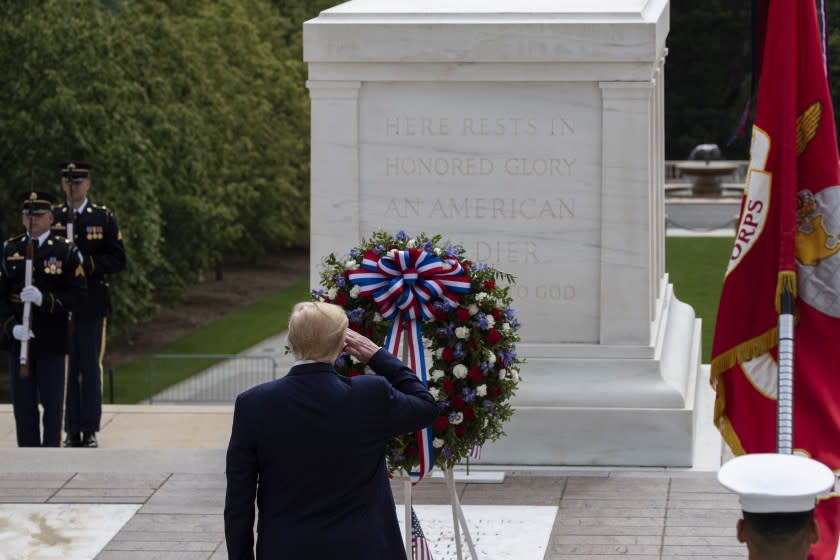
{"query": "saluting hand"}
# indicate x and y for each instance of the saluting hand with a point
(359, 346)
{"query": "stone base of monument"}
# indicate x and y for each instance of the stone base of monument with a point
(608, 405)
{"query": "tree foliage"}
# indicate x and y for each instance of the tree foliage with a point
(708, 74)
(194, 114)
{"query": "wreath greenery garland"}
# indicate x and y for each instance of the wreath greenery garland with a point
(471, 348)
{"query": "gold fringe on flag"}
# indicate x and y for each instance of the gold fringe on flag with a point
(725, 362)
(743, 352)
(723, 424)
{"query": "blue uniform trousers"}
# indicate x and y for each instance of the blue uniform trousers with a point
(45, 384)
(84, 378)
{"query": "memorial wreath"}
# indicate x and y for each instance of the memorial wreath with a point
(452, 313)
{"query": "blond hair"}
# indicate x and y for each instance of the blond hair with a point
(316, 331)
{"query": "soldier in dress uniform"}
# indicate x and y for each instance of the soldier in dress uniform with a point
(58, 284)
(96, 235)
(778, 494)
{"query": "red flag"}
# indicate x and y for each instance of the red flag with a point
(788, 237)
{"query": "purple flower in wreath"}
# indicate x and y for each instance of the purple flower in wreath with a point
(401, 235)
(458, 351)
(489, 407)
(379, 249)
(469, 394)
(486, 367)
(317, 293)
(339, 280)
(446, 452)
(509, 313)
(448, 330)
(506, 357)
(443, 404)
(480, 266)
(480, 321)
(450, 251)
(341, 361)
(515, 323)
(428, 246)
(356, 315)
(355, 253)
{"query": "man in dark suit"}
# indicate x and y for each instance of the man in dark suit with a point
(311, 448)
(98, 238)
(58, 284)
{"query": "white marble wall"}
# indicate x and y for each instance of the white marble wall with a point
(531, 132)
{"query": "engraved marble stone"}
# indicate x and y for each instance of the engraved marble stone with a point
(532, 133)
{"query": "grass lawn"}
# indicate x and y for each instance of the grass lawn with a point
(231, 334)
(696, 266)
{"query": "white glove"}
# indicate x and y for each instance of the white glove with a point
(31, 294)
(21, 333)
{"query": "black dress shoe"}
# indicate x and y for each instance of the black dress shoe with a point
(73, 440)
(89, 439)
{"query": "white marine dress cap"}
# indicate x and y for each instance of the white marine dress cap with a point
(774, 483)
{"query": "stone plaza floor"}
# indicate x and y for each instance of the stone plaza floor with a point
(155, 490)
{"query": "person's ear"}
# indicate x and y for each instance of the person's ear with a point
(813, 531)
(741, 531)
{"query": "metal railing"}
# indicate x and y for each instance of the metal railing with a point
(205, 378)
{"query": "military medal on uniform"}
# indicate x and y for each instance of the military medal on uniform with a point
(52, 265)
(94, 232)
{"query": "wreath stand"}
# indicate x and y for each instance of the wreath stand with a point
(458, 519)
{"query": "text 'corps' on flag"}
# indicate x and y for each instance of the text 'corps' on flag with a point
(788, 238)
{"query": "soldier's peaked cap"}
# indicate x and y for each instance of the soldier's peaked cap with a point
(37, 202)
(774, 483)
(75, 169)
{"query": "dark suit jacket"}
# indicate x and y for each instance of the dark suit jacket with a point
(311, 448)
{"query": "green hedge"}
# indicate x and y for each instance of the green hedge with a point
(194, 114)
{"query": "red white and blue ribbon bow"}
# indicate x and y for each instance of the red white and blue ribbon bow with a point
(404, 284)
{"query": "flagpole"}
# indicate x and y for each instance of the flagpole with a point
(408, 524)
(784, 403)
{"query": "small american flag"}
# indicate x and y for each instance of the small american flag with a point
(419, 547)
(475, 452)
